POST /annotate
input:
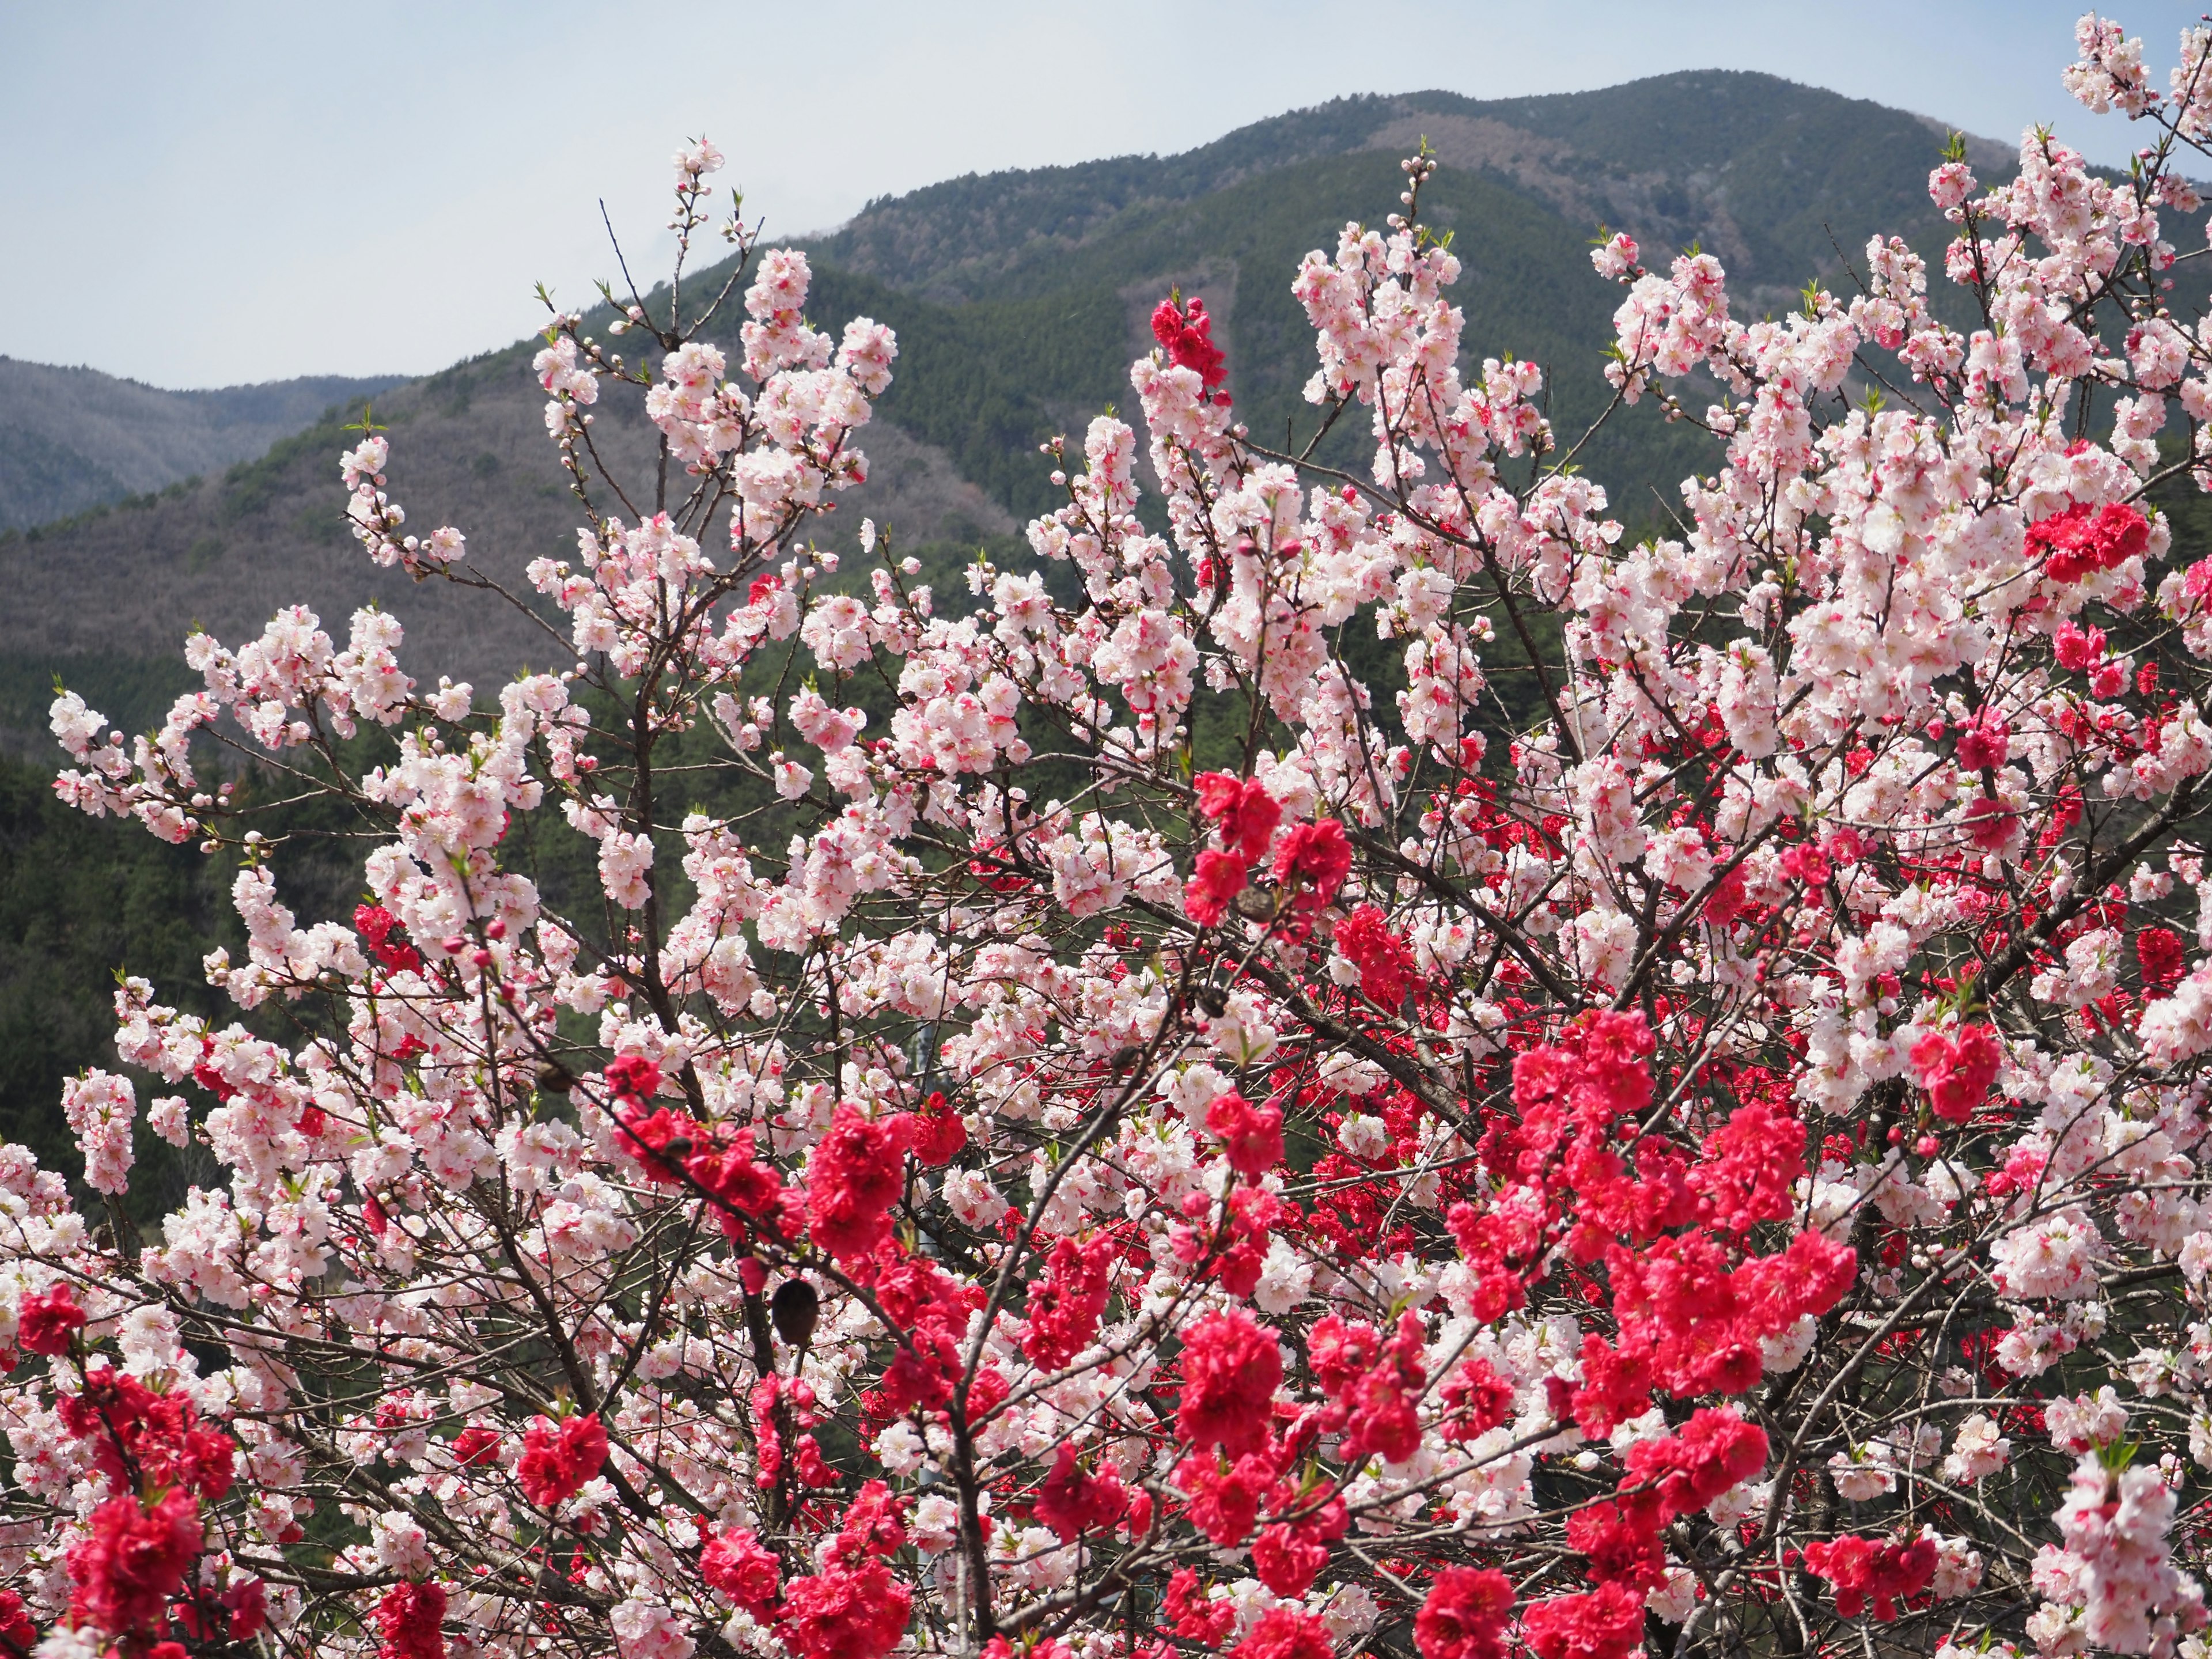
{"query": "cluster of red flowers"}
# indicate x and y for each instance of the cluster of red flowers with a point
(737, 1564)
(854, 1607)
(928, 1311)
(408, 1620)
(2083, 539)
(2159, 954)
(1311, 864)
(558, 1458)
(161, 1463)
(1074, 1500)
(1671, 1477)
(1385, 962)
(1870, 1569)
(1231, 1370)
(47, 1319)
(1311, 867)
(1230, 1239)
(1245, 815)
(1957, 1069)
(1185, 332)
(1465, 1615)
(856, 1174)
(387, 939)
(1376, 1385)
(717, 1159)
(1066, 1303)
(139, 1438)
(1691, 1313)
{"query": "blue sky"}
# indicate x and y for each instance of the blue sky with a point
(201, 194)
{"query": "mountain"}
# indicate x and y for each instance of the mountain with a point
(1019, 299)
(1736, 159)
(73, 438)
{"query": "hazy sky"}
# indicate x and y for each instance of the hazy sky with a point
(212, 192)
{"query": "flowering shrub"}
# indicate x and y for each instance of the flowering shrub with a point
(1718, 1162)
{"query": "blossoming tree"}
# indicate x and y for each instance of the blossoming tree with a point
(1720, 1164)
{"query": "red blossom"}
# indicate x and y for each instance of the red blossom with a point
(475, 1445)
(1193, 1615)
(558, 1458)
(1990, 823)
(659, 1141)
(1251, 1133)
(1728, 898)
(1074, 1501)
(939, 1132)
(2158, 949)
(1225, 1496)
(1465, 1615)
(1616, 1385)
(45, 1320)
(737, 1564)
(2083, 539)
(1958, 1069)
(856, 1174)
(739, 1183)
(1749, 1167)
(1381, 1403)
(1984, 743)
(1716, 1449)
(1231, 1370)
(140, 1436)
(132, 1560)
(1619, 1536)
(386, 938)
(1607, 1623)
(1219, 879)
(845, 1613)
(2078, 649)
(1476, 1399)
(1385, 962)
(875, 1523)
(1187, 333)
(1065, 1304)
(1287, 1634)
(633, 1079)
(409, 1619)
(1290, 1555)
(246, 1602)
(1241, 810)
(1806, 865)
(1316, 855)
(1868, 1570)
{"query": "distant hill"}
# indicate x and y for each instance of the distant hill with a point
(73, 438)
(1019, 299)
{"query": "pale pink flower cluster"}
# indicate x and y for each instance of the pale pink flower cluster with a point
(98, 1107)
(2115, 1564)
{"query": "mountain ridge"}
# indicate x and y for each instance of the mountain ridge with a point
(1589, 126)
